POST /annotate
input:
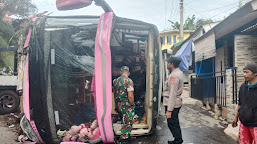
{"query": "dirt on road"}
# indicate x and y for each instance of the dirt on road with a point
(9, 128)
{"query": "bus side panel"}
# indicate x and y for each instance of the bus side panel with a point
(26, 104)
(103, 78)
(26, 97)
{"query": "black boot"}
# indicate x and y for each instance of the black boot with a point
(124, 141)
(131, 139)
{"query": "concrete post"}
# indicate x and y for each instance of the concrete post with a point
(231, 108)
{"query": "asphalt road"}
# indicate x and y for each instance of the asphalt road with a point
(198, 127)
(8, 129)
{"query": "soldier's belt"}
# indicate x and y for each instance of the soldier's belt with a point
(122, 101)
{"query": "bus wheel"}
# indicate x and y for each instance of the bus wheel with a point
(9, 101)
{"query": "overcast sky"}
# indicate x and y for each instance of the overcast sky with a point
(157, 12)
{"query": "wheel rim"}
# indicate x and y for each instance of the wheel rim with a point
(6, 101)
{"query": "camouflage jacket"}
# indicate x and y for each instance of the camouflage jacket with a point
(122, 85)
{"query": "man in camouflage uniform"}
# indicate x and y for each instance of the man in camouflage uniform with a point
(124, 100)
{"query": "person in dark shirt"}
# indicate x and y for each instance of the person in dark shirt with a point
(247, 106)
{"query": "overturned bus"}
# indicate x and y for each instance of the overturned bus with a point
(68, 64)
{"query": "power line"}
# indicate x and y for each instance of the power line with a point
(214, 15)
(221, 7)
(171, 10)
(176, 10)
(176, 13)
(172, 5)
(190, 1)
(194, 10)
(222, 12)
(218, 8)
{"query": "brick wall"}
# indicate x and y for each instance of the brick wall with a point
(245, 47)
(226, 54)
(245, 51)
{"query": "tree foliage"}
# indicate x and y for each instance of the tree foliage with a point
(6, 32)
(175, 25)
(201, 22)
(191, 23)
(19, 8)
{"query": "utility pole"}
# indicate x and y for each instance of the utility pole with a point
(181, 20)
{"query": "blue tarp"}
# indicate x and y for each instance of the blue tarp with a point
(184, 53)
(204, 66)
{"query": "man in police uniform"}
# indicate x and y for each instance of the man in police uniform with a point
(124, 100)
(172, 98)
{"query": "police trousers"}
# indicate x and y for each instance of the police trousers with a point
(174, 126)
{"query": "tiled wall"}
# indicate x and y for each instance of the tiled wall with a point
(245, 51)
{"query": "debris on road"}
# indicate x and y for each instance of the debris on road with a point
(11, 126)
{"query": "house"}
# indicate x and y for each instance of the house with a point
(170, 37)
(220, 55)
(185, 50)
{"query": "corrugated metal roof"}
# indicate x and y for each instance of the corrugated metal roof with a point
(250, 28)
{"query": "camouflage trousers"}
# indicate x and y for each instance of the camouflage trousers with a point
(127, 113)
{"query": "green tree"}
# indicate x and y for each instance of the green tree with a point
(19, 8)
(201, 22)
(6, 32)
(175, 25)
(191, 23)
